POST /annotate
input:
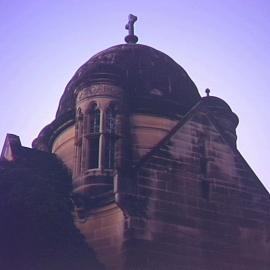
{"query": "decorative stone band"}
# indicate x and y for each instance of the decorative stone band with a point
(99, 90)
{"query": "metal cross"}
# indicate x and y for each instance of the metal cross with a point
(130, 25)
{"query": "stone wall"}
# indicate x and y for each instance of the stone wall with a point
(146, 132)
(63, 146)
(202, 206)
(104, 231)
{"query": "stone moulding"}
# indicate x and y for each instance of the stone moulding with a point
(99, 90)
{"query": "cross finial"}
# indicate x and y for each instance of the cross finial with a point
(131, 38)
(207, 91)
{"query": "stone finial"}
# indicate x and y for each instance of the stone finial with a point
(131, 38)
(207, 91)
(11, 147)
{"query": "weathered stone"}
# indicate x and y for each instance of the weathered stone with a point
(158, 180)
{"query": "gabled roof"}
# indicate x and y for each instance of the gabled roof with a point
(11, 146)
(200, 106)
(13, 150)
(164, 140)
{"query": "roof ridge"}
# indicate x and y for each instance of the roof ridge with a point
(168, 136)
(233, 147)
(181, 123)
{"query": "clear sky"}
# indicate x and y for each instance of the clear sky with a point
(222, 44)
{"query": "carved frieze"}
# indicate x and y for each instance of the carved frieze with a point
(99, 90)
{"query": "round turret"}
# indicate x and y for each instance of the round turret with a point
(152, 83)
(223, 114)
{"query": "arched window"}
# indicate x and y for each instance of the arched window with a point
(110, 137)
(94, 135)
(78, 142)
(94, 120)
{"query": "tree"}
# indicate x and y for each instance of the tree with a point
(37, 229)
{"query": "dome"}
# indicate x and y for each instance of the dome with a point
(223, 114)
(216, 104)
(220, 108)
(155, 82)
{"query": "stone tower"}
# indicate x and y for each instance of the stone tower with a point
(158, 180)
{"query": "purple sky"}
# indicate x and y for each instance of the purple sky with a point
(223, 45)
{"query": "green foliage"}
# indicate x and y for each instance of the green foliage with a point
(37, 231)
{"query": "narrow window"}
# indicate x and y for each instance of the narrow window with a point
(78, 144)
(93, 152)
(94, 120)
(94, 136)
(110, 138)
(110, 120)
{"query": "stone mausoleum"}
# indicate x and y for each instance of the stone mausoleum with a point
(158, 180)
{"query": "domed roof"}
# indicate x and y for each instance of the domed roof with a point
(155, 82)
(216, 103)
(220, 109)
